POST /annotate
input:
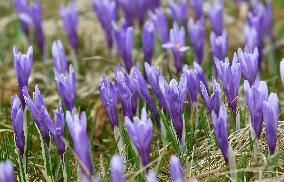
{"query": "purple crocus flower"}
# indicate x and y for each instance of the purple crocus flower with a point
(230, 77)
(23, 11)
(270, 109)
(37, 109)
(78, 130)
(220, 123)
(59, 59)
(6, 171)
(212, 102)
(174, 94)
(124, 43)
(18, 123)
(56, 128)
(255, 95)
(148, 41)
(69, 16)
(153, 74)
(197, 35)
(67, 87)
(140, 133)
(128, 7)
(151, 177)
(177, 45)
(127, 93)
(117, 169)
(249, 64)
(142, 88)
(216, 18)
(197, 8)
(219, 45)
(109, 96)
(282, 70)
(159, 19)
(176, 170)
(23, 66)
(251, 38)
(106, 13)
(200, 74)
(179, 11)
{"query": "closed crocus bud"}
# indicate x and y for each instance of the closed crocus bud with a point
(200, 74)
(176, 170)
(18, 123)
(67, 87)
(37, 109)
(106, 13)
(153, 74)
(174, 94)
(216, 18)
(179, 11)
(177, 45)
(270, 109)
(59, 59)
(123, 38)
(197, 8)
(197, 36)
(23, 67)
(109, 96)
(220, 123)
(251, 38)
(142, 88)
(128, 8)
(148, 40)
(140, 132)
(151, 177)
(117, 169)
(282, 70)
(23, 12)
(212, 102)
(159, 19)
(69, 16)
(6, 171)
(255, 95)
(219, 45)
(192, 85)
(77, 126)
(249, 64)
(230, 76)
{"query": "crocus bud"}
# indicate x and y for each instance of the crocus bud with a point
(37, 109)
(216, 18)
(6, 171)
(177, 45)
(67, 87)
(109, 96)
(220, 124)
(251, 38)
(249, 64)
(255, 95)
(124, 43)
(69, 16)
(106, 13)
(142, 88)
(161, 24)
(153, 74)
(59, 59)
(151, 177)
(200, 74)
(23, 12)
(282, 70)
(197, 8)
(78, 130)
(230, 77)
(18, 123)
(148, 40)
(270, 109)
(179, 11)
(23, 66)
(117, 169)
(176, 170)
(197, 35)
(140, 132)
(219, 45)
(212, 102)
(128, 8)
(174, 94)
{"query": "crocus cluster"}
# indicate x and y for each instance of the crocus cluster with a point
(6, 171)
(140, 131)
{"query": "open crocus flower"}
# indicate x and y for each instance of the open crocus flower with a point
(219, 45)
(270, 109)
(177, 45)
(59, 59)
(159, 19)
(117, 169)
(6, 171)
(140, 132)
(216, 18)
(148, 40)
(176, 170)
